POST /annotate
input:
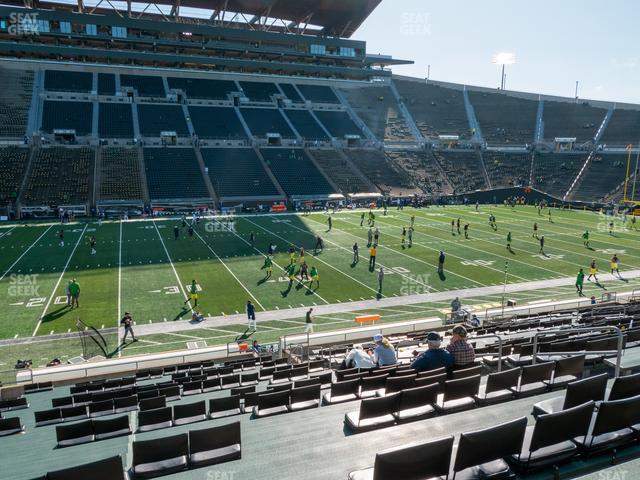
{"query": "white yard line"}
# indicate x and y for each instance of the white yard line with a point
(4, 234)
(316, 257)
(273, 261)
(229, 270)
(119, 288)
(25, 252)
(53, 293)
(184, 293)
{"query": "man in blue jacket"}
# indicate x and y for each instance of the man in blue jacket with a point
(434, 357)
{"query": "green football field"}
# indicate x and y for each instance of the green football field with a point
(141, 268)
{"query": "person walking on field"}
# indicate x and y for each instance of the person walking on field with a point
(74, 290)
(251, 315)
(380, 280)
(309, 322)
(580, 282)
(127, 323)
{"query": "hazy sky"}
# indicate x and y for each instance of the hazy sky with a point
(555, 43)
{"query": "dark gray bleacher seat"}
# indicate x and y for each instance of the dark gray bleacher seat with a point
(170, 392)
(224, 407)
(107, 469)
(480, 453)
(533, 377)
(191, 388)
(215, 445)
(458, 395)
(415, 461)
(161, 456)
(62, 402)
(152, 403)
(466, 372)
(99, 409)
(373, 413)
(303, 398)
(112, 427)
(189, 413)
(48, 417)
(10, 426)
(230, 381)
(154, 419)
(624, 387)
(416, 403)
(578, 392)
(567, 370)
(611, 425)
(13, 404)
(271, 404)
(372, 385)
(211, 384)
(74, 434)
(498, 387)
(550, 440)
(395, 384)
(125, 404)
(344, 391)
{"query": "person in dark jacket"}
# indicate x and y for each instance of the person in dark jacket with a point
(434, 357)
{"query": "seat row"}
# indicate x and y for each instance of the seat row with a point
(163, 456)
(554, 438)
(10, 426)
(92, 430)
(13, 404)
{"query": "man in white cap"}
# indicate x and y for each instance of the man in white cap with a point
(434, 357)
(358, 358)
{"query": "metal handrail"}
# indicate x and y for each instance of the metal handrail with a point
(500, 342)
(583, 329)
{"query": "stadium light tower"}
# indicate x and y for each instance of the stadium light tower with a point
(504, 58)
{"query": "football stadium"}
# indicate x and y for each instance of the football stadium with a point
(402, 278)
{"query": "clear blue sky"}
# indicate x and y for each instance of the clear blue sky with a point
(555, 42)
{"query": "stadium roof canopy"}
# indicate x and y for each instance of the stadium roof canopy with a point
(340, 18)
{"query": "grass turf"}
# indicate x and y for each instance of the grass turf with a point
(140, 267)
